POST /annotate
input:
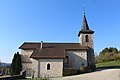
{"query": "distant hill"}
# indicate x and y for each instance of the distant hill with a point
(4, 64)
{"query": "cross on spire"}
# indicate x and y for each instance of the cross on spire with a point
(84, 9)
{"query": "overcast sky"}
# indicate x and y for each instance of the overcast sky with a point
(56, 21)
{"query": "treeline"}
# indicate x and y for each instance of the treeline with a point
(108, 54)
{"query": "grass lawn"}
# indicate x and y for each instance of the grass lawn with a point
(110, 64)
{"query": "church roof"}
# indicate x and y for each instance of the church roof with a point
(85, 27)
(85, 24)
(51, 50)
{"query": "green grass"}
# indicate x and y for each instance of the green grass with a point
(108, 64)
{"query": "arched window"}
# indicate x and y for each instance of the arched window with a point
(87, 38)
(82, 64)
(66, 60)
(48, 66)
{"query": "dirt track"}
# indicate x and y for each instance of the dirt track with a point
(108, 74)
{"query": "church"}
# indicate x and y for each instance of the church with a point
(51, 58)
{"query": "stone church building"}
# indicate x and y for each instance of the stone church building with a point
(51, 58)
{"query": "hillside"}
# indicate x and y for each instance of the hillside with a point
(110, 64)
(2, 64)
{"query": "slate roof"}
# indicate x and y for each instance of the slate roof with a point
(51, 50)
(85, 27)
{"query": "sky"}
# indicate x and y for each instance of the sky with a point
(56, 21)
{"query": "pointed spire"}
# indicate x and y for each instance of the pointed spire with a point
(85, 27)
(85, 24)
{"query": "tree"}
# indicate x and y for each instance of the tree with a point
(16, 65)
(12, 67)
(104, 51)
(108, 54)
(109, 50)
(113, 50)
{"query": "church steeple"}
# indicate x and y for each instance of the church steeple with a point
(86, 39)
(86, 34)
(84, 23)
(85, 27)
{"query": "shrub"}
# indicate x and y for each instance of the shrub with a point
(87, 69)
(91, 68)
(69, 71)
(83, 69)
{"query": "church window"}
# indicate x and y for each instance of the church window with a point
(66, 60)
(48, 66)
(87, 38)
(82, 64)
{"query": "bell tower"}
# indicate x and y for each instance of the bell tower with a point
(85, 34)
(86, 39)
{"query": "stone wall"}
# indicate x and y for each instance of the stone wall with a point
(83, 42)
(56, 67)
(14, 77)
(91, 56)
(77, 58)
(26, 60)
(89, 43)
(35, 67)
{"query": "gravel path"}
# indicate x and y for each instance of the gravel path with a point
(108, 74)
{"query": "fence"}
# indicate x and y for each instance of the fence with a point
(4, 71)
(21, 76)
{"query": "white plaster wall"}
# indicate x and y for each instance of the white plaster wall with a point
(56, 67)
(26, 52)
(77, 58)
(26, 60)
